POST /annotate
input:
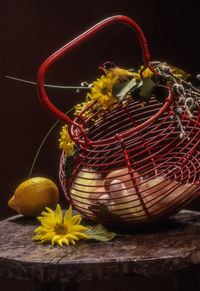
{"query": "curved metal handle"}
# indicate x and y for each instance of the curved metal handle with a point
(73, 44)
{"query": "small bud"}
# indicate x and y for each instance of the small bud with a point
(174, 87)
(84, 84)
(90, 86)
(178, 89)
(198, 77)
(189, 102)
(181, 90)
(181, 100)
(166, 69)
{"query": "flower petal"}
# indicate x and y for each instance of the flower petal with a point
(81, 235)
(78, 228)
(55, 239)
(65, 241)
(75, 219)
(50, 211)
(71, 236)
(60, 242)
(58, 214)
(48, 223)
(46, 214)
(36, 237)
(68, 214)
(40, 229)
(72, 241)
(48, 236)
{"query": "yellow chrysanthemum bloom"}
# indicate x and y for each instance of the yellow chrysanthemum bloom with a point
(65, 141)
(147, 73)
(56, 229)
(136, 76)
(101, 92)
(79, 107)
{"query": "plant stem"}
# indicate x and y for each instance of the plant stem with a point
(42, 143)
(49, 85)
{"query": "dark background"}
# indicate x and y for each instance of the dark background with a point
(31, 30)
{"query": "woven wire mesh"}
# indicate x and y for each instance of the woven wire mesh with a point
(138, 177)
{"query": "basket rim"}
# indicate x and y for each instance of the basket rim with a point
(110, 140)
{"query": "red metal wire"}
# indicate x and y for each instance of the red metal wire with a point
(153, 151)
(135, 148)
(73, 44)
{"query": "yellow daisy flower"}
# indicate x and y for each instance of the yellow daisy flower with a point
(147, 73)
(65, 141)
(79, 107)
(56, 229)
(136, 76)
(101, 92)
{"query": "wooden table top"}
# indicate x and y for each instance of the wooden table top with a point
(167, 247)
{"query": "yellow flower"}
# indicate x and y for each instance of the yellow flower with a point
(101, 92)
(65, 141)
(56, 229)
(79, 107)
(136, 76)
(147, 73)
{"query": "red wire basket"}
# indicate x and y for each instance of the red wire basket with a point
(131, 165)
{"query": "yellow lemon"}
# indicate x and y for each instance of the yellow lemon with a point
(33, 195)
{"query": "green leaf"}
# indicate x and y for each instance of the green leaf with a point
(129, 85)
(99, 233)
(147, 89)
(117, 87)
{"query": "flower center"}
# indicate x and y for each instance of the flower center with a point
(61, 228)
(104, 90)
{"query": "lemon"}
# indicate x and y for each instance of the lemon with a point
(33, 195)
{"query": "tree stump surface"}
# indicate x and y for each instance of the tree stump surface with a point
(163, 248)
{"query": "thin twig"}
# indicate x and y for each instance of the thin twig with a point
(48, 85)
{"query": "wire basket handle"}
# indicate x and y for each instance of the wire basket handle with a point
(73, 44)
